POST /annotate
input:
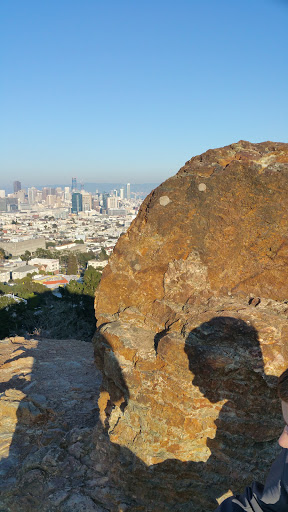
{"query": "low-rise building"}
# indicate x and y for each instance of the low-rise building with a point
(56, 281)
(97, 264)
(17, 248)
(4, 276)
(46, 264)
(21, 272)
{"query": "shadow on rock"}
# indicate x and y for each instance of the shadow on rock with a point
(226, 365)
(48, 409)
(59, 460)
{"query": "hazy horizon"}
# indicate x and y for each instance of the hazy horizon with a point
(145, 188)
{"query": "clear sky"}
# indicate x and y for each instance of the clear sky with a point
(128, 90)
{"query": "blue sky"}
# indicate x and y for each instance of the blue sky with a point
(122, 90)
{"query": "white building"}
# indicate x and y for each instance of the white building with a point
(67, 195)
(112, 202)
(46, 264)
(86, 201)
(32, 192)
(21, 272)
(4, 276)
(97, 264)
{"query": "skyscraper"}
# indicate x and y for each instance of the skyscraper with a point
(67, 195)
(86, 201)
(74, 184)
(76, 202)
(128, 191)
(32, 195)
(112, 202)
(45, 192)
(16, 186)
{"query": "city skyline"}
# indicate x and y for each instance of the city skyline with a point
(131, 91)
(89, 187)
(71, 199)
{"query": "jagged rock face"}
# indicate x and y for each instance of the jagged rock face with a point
(192, 324)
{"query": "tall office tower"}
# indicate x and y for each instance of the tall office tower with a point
(51, 200)
(45, 193)
(16, 186)
(74, 184)
(104, 200)
(21, 195)
(112, 202)
(67, 195)
(121, 193)
(32, 195)
(95, 204)
(76, 202)
(2, 193)
(128, 191)
(86, 201)
(38, 196)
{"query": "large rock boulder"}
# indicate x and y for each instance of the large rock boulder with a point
(192, 325)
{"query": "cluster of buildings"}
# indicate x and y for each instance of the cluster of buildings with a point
(76, 221)
(73, 200)
(17, 269)
(112, 203)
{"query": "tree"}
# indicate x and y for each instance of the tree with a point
(43, 253)
(26, 256)
(72, 267)
(63, 258)
(103, 255)
(2, 254)
(74, 287)
(84, 257)
(91, 281)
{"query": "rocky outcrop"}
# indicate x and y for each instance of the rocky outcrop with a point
(48, 411)
(192, 325)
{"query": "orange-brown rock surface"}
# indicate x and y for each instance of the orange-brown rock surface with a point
(192, 329)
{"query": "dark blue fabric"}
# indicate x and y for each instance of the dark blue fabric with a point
(271, 497)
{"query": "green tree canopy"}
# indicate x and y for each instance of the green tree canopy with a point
(91, 281)
(84, 257)
(72, 266)
(26, 256)
(75, 287)
(103, 255)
